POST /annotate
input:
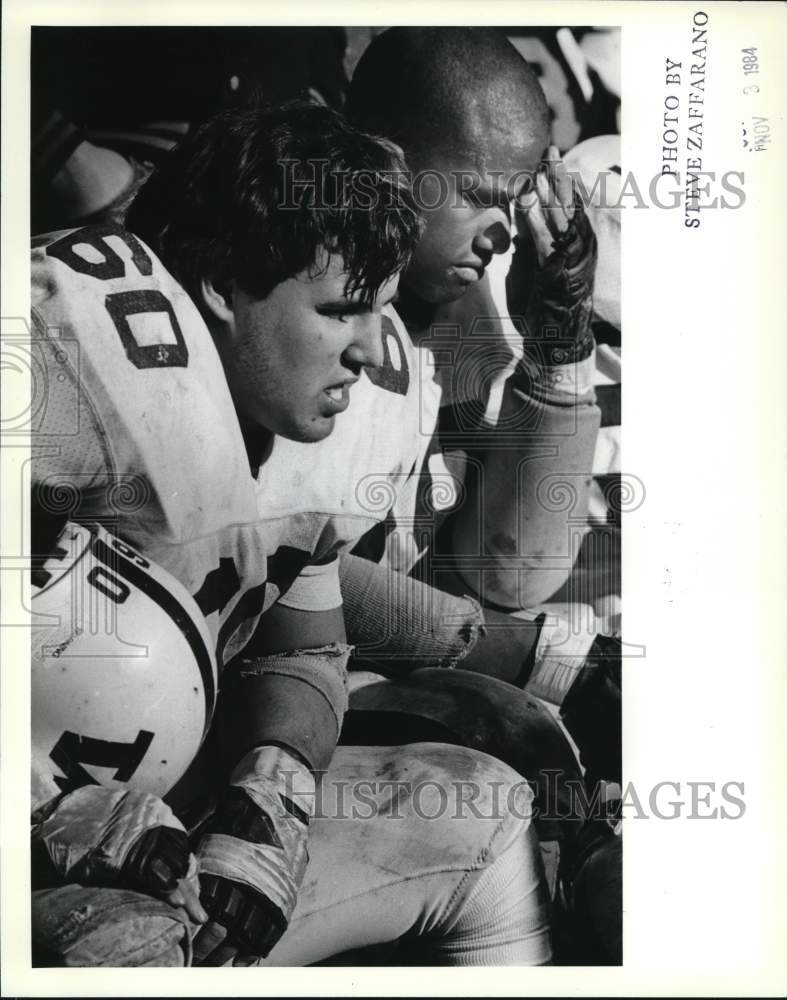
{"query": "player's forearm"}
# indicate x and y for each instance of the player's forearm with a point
(400, 624)
(289, 687)
(518, 531)
(397, 623)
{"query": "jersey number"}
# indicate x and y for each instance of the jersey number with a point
(391, 377)
(122, 305)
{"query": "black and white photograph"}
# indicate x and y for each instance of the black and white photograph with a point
(326, 492)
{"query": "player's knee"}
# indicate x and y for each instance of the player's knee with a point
(504, 919)
(79, 926)
(499, 912)
(486, 803)
(481, 713)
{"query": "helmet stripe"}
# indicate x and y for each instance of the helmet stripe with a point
(172, 606)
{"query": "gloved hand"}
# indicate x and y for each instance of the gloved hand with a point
(592, 712)
(252, 857)
(116, 837)
(580, 671)
(551, 281)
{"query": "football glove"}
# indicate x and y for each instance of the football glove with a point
(551, 280)
(580, 671)
(109, 836)
(592, 713)
(252, 855)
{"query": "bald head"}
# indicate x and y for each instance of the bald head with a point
(472, 120)
(445, 94)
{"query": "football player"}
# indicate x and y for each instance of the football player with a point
(162, 419)
(513, 373)
(514, 393)
(504, 366)
(507, 351)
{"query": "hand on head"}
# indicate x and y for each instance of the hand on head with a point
(547, 208)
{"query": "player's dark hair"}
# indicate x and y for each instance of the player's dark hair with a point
(253, 195)
(446, 90)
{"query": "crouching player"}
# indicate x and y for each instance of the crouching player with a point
(162, 427)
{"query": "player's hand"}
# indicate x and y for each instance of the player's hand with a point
(548, 208)
(186, 895)
(244, 927)
(119, 837)
(592, 712)
(556, 268)
(161, 864)
(565, 244)
(252, 857)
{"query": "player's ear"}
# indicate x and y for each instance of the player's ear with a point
(217, 297)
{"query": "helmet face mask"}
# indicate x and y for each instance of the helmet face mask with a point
(123, 669)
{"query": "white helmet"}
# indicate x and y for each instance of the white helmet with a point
(124, 676)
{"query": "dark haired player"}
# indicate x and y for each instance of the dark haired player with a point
(188, 398)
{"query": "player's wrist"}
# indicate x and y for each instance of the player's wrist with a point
(558, 659)
(572, 381)
(273, 775)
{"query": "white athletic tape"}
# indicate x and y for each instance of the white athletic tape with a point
(95, 827)
(560, 656)
(275, 781)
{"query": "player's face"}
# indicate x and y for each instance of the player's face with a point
(295, 354)
(471, 221)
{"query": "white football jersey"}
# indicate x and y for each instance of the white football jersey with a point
(464, 356)
(138, 431)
